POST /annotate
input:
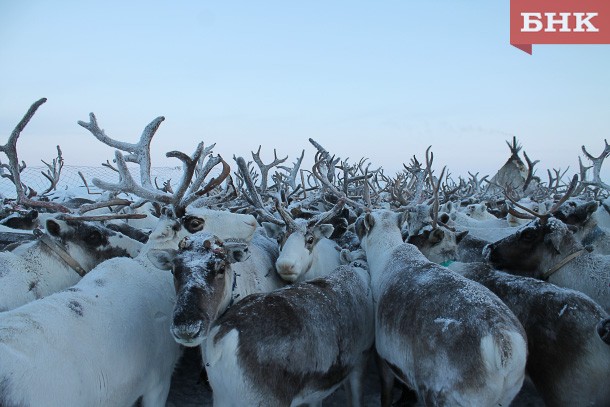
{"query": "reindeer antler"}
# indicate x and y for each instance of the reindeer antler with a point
(597, 166)
(137, 153)
(253, 195)
(264, 168)
(10, 149)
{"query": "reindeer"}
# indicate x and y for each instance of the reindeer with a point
(247, 365)
(306, 250)
(589, 233)
(57, 259)
(448, 338)
(103, 342)
(546, 249)
(568, 360)
(202, 296)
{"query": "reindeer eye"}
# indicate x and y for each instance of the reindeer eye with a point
(194, 224)
(309, 240)
(94, 238)
(528, 235)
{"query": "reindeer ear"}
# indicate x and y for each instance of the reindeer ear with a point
(369, 221)
(460, 236)
(323, 230)
(162, 258)
(53, 226)
(436, 235)
(555, 238)
(592, 207)
(364, 225)
(272, 230)
(237, 251)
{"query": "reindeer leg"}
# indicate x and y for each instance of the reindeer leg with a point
(354, 384)
(387, 381)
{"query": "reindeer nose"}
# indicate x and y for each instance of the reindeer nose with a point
(285, 267)
(186, 333)
(287, 270)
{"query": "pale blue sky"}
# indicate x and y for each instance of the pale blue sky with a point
(378, 79)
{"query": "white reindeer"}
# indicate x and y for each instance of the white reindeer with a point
(53, 262)
(306, 251)
(103, 342)
(479, 211)
(450, 339)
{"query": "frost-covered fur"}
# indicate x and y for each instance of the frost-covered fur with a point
(589, 233)
(33, 271)
(439, 245)
(539, 246)
(103, 342)
(207, 282)
(317, 335)
(224, 224)
(568, 361)
(307, 252)
(489, 230)
(479, 212)
(448, 338)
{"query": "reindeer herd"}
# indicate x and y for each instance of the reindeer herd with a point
(291, 280)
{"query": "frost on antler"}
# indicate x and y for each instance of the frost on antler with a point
(597, 166)
(10, 149)
(264, 168)
(138, 153)
(53, 171)
(185, 193)
(252, 194)
(291, 178)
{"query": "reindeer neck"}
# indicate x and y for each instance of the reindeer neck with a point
(380, 248)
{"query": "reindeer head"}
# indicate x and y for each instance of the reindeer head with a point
(204, 282)
(297, 246)
(439, 245)
(89, 243)
(575, 213)
(379, 225)
(533, 248)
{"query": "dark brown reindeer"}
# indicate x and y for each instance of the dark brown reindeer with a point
(546, 249)
(567, 335)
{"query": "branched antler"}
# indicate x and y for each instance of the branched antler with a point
(264, 168)
(417, 180)
(10, 149)
(137, 153)
(597, 166)
(293, 172)
(435, 188)
(54, 171)
(252, 194)
(530, 171)
(583, 177)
